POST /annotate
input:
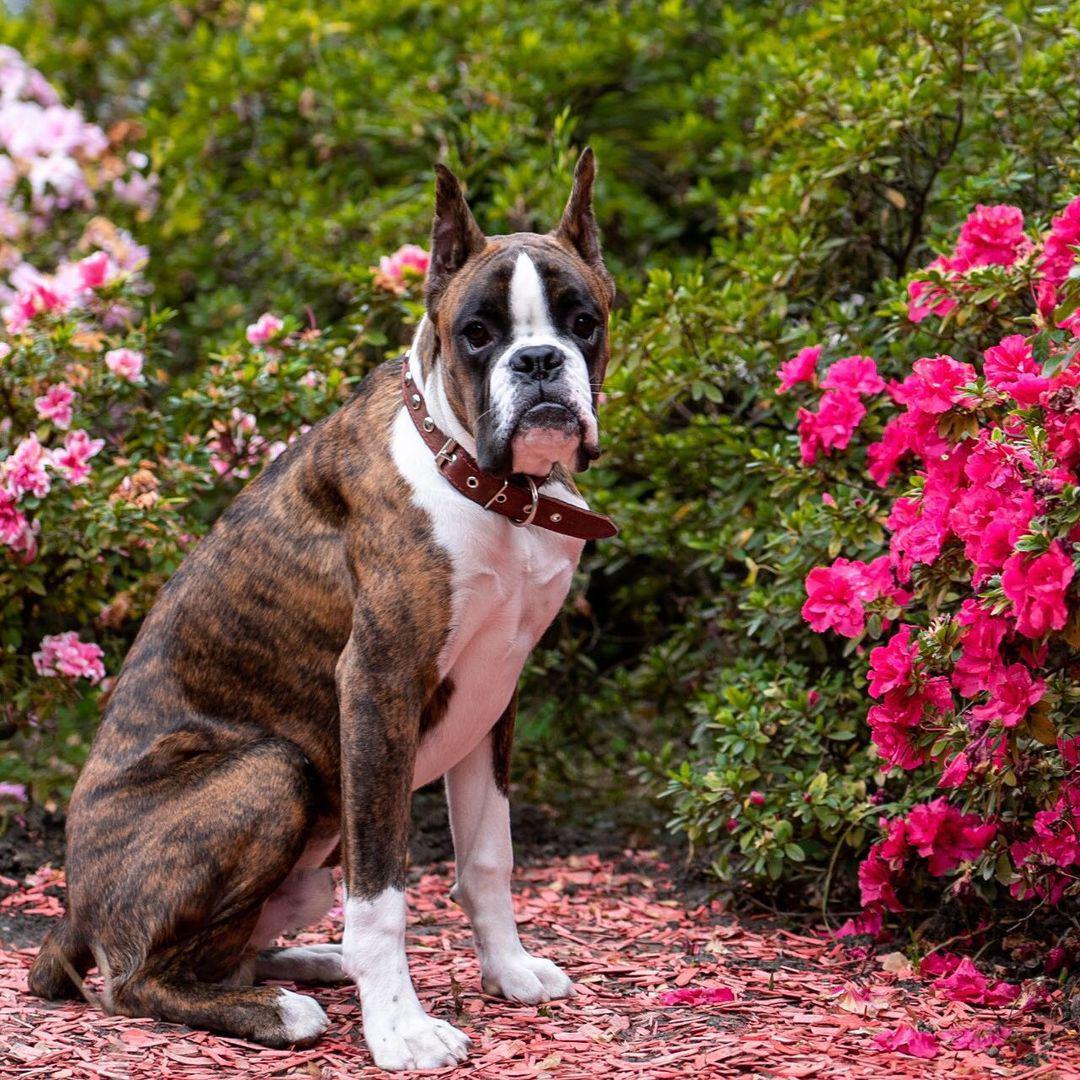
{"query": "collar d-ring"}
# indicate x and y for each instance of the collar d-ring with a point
(532, 507)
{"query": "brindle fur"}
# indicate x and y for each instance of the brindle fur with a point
(219, 755)
(278, 691)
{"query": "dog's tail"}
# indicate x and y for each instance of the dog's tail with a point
(61, 963)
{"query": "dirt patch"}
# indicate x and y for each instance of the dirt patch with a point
(31, 839)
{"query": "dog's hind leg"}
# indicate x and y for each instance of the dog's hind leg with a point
(269, 1015)
(174, 917)
(63, 959)
(320, 964)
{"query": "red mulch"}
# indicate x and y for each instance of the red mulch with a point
(804, 1005)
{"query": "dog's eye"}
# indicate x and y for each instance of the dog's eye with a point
(584, 326)
(476, 334)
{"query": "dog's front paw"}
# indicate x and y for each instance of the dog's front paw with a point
(525, 978)
(415, 1041)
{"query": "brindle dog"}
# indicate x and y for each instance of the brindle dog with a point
(350, 628)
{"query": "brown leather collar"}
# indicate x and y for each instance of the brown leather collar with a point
(523, 505)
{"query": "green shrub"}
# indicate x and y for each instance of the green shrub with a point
(770, 172)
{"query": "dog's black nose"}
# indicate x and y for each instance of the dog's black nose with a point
(539, 361)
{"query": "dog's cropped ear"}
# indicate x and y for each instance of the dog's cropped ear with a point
(454, 234)
(578, 224)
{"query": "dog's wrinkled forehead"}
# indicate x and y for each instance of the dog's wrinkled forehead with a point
(521, 285)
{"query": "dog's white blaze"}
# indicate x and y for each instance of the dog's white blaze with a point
(399, 1034)
(530, 325)
(480, 823)
(507, 586)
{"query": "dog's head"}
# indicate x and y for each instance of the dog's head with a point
(521, 330)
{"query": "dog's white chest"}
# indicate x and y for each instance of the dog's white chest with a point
(508, 584)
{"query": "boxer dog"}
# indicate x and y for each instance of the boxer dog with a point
(352, 628)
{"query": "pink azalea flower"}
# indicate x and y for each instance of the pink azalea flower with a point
(956, 772)
(939, 963)
(73, 460)
(1071, 323)
(16, 792)
(125, 364)
(832, 426)
(55, 405)
(64, 654)
(800, 368)
(836, 595)
(24, 471)
(1046, 299)
(1011, 367)
(1037, 590)
(42, 296)
(855, 374)
(95, 270)
(1012, 693)
(905, 1039)
(869, 922)
(756, 798)
(967, 983)
(946, 837)
(895, 720)
(1059, 254)
(395, 271)
(977, 1038)
(16, 531)
(919, 530)
(892, 665)
(264, 329)
(926, 298)
(877, 888)
(980, 657)
(993, 236)
(935, 384)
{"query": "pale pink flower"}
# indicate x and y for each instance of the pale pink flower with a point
(125, 364)
(95, 270)
(16, 532)
(395, 271)
(64, 654)
(55, 405)
(73, 460)
(265, 328)
(235, 445)
(24, 471)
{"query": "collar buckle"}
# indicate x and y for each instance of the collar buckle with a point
(447, 454)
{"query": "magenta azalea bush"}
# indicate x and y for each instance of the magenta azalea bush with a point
(969, 621)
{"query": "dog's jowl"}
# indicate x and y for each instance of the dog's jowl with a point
(352, 628)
